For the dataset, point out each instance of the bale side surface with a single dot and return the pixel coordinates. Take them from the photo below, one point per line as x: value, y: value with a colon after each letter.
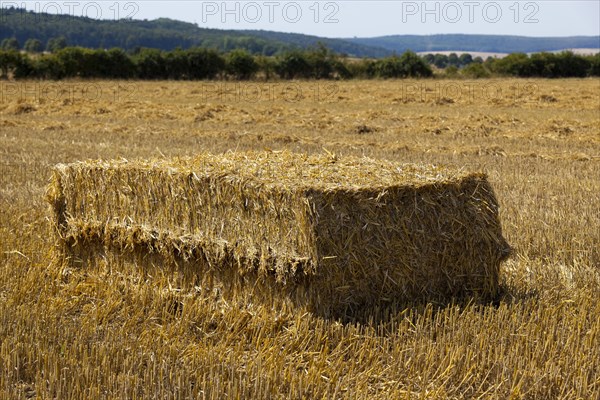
x: 173, y: 211
x: 431, y: 242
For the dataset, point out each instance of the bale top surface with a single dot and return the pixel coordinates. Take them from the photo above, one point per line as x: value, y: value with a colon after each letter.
x: 298, y: 171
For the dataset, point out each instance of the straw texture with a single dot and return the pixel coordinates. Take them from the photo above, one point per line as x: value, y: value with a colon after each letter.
x: 333, y: 232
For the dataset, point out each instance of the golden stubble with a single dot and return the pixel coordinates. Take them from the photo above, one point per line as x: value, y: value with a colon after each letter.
x: 138, y: 331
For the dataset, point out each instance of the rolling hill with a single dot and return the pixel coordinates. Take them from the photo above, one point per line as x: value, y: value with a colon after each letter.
x: 168, y: 34
x: 479, y: 43
x: 162, y: 33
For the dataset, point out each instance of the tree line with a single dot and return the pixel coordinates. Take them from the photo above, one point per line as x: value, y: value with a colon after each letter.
x: 200, y: 63
x: 317, y: 62
x: 565, y: 64
x: 545, y: 65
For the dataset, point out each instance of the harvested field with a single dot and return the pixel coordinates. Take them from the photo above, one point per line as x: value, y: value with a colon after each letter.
x: 130, y: 329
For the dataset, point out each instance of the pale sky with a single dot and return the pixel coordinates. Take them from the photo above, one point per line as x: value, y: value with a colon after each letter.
x: 347, y: 18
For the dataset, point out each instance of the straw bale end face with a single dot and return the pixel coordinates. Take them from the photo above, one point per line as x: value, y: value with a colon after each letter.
x: 412, y: 242
x: 326, y: 232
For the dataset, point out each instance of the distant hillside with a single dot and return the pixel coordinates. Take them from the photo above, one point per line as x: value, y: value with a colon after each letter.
x: 337, y: 45
x: 162, y: 33
x: 168, y: 34
x: 478, y: 43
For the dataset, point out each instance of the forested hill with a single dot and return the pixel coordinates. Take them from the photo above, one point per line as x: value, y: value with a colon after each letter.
x: 337, y: 45
x: 162, y: 33
x: 168, y: 34
x: 479, y: 43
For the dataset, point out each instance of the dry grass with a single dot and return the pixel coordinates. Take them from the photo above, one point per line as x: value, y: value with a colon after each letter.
x: 143, y: 332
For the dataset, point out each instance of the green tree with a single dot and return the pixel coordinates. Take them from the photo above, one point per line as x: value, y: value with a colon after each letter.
x: 293, y: 65
x: 7, y: 62
x: 33, y: 46
x: 15, y: 64
x: 475, y: 71
x: 23, y: 67
x: 10, y: 44
x: 150, y: 64
x: 515, y: 64
x: 429, y: 58
x: 56, y: 44
x: 414, y: 66
x: 118, y: 64
x: 453, y: 59
x: 451, y: 71
x: 76, y: 62
x: 538, y: 64
x: 266, y: 65
x: 465, y: 59
x: 364, y: 68
x: 241, y: 64
x: 570, y: 64
x: 407, y: 65
x: 389, y: 67
x: 322, y: 61
x: 594, y: 69
x: 204, y: 63
x: 341, y: 70
x: 49, y: 67
x: 440, y: 60
x: 176, y: 65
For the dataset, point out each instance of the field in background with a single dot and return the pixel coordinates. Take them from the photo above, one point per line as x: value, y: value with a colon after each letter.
x: 141, y: 333
x: 484, y: 55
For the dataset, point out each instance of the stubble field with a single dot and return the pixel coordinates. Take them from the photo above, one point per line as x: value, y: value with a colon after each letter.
x: 136, y: 333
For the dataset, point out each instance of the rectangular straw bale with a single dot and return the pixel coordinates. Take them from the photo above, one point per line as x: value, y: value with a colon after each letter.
x: 338, y: 231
